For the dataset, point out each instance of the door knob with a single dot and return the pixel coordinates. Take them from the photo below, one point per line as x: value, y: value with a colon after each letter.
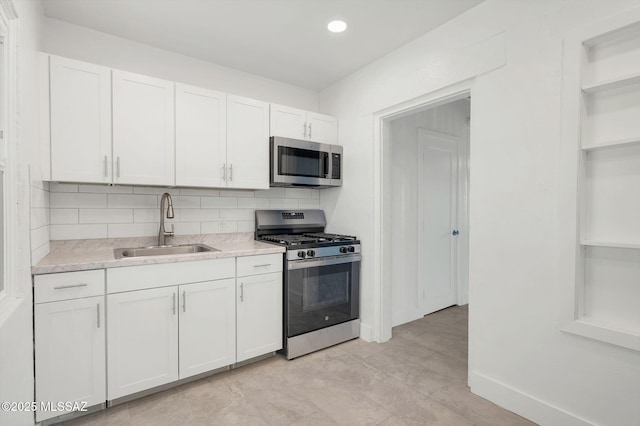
x: 455, y: 232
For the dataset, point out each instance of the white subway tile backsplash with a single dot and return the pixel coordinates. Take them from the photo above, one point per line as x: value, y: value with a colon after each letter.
x: 132, y: 201
x: 105, y: 189
x: 283, y: 203
x: 106, y: 216
x: 246, y: 226
x: 185, y: 202
x: 238, y: 194
x: 39, y: 236
x: 63, y: 187
x: 237, y: 214
x: 63, y: 216
x: 298, y: 192
x: 146, y: 215
x: 198, y: 215
x: 271, y: 193
x: 78, y: 231
x: 309, y: 204
x: 39, y: 217
x: 253, y: 203
x: 121, y: 230
x: 77, y: 200
x: 37, y: 254
x: 200, y: 192
x: 101, y: 211
x: 210, y: 227
x: 218, y: 202
x: 185, y: 228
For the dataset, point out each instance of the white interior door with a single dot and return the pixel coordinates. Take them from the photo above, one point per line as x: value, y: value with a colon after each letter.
x: 438, y: 212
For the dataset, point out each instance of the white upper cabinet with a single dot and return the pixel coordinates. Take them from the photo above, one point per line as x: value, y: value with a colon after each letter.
x: 247, y: 143
x: 201, y: 137
x: 143, y: 130
x: 299, y: 124
x: 322, y: 128
x: 80, y: 121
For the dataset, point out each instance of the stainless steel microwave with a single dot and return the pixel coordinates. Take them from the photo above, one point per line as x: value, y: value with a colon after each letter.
x: 303, y: 163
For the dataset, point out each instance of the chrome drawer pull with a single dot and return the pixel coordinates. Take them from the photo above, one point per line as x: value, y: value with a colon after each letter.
x: 62, y: 287
x: 98, y: 311
x: 184, y: 301
x: 260, y: 266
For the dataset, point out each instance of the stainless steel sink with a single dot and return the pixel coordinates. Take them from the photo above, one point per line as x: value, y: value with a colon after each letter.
x: 162, y: 250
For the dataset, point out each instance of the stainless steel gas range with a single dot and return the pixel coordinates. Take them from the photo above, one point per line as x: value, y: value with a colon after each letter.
x: 321, y: 279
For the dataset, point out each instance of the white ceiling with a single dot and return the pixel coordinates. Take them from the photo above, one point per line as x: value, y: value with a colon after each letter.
x: 284, y: 40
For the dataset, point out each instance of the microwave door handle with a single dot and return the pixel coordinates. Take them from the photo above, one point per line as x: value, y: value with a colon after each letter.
x: 326, y: 164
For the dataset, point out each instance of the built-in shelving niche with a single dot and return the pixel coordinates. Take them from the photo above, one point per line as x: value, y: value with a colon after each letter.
x: 608, y: 278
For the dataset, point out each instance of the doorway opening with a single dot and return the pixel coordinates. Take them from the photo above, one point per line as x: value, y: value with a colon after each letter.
x: 425, y: 189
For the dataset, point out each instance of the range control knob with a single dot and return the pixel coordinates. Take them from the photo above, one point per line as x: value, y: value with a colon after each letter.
x: 352, y: 249
x: 301, y: 254
x: 343, y: 249
x: 311, y: 253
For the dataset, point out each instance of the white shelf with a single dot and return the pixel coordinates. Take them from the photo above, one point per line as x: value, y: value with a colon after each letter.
x: 613, y: 83
x: 612, y: 143
x: 584, y: 327
x: 609, y: 244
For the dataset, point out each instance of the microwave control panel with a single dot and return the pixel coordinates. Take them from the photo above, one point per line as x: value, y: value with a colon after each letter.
x: 335, y: 166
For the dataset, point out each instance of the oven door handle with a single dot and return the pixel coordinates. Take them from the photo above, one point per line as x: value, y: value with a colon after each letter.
x: 293, y: 265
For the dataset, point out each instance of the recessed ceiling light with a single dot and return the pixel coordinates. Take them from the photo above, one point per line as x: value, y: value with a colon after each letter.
x: 337, y: 26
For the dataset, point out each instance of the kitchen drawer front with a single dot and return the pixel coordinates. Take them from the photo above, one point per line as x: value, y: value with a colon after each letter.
x: 261, y: 264
x: 68, y: 285
x: 164, y: 274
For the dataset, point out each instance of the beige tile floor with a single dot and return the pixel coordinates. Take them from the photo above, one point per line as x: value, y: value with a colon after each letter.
x: 416, y: 378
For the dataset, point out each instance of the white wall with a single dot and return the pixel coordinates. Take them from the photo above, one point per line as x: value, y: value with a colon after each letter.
x: 64, y: 39
x: 100, y: 211
x: 518, y: 357
x: 449, y: 119
x: 16, y: 335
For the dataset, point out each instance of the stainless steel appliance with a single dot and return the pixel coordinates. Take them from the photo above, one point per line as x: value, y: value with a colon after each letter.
x: 321, y: 279
x: 303, y: 163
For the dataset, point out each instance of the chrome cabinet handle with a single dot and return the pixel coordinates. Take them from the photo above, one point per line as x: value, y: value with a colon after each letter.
x: 309, y: 130
x: 305, y: 130
x: 98, y: 313
x: 106, y: 173
x: 230, y: 172
x: 241, y: 292
x: 118, y: 167
x: 260, y: 266
x: 62, y: 287
x: 224, y: 171
x: 184, y: 301
x: 173, y: 303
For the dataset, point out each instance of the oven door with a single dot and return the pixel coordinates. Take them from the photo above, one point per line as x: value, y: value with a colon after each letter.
x: 321, y: 293
x: 296, y: 162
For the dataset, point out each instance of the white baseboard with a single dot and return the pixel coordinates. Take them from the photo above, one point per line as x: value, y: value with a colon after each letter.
x: 522, y: 404
x: 366, y: 332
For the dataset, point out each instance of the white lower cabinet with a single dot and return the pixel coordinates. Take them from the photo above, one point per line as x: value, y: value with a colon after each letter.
x: 143, y: 340
x: 69, y: 353
x: 207, y: 326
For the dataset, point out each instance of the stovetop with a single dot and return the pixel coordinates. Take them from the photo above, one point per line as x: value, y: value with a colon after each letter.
x: 315, y: 239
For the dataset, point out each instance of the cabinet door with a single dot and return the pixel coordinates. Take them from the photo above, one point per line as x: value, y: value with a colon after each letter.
x: 143, y: 340
x: 70, y: 352
x: 288, y: 122
x: 201, y: 137
x: 322, y: 128
x: 207, y: 326
x: 247, y: 143
x: 143, y: 129
x: 80, y: 121
x: 259, y: 329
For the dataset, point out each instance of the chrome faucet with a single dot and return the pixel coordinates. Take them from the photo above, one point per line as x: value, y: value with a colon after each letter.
x: 162, y: 234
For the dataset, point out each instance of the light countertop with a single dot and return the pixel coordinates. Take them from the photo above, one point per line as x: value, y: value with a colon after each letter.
x: 82, y: 255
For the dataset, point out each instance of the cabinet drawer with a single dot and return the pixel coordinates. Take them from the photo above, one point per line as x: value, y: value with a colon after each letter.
x: 164, y: 274
x: 68, y: 285
x: 261, y: 264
